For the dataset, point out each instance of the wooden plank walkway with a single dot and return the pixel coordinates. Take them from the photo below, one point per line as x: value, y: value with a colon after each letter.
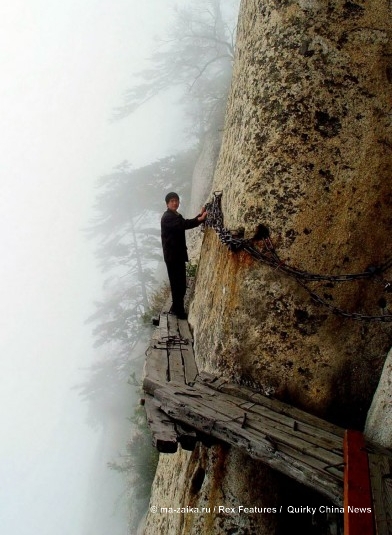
x: 184, y: 406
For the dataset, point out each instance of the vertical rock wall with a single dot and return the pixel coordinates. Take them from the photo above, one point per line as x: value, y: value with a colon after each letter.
x: 307, y: 152
x: 379, y: 418
x: 197, y: 485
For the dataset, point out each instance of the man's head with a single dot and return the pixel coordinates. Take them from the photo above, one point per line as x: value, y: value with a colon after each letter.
x: 172, y: 201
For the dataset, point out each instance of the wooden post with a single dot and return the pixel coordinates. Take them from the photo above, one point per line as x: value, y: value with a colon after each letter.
x: 358, y: 507
x: 380, y: 467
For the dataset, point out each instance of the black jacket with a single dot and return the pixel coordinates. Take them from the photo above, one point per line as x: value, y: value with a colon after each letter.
x: 173, y: 227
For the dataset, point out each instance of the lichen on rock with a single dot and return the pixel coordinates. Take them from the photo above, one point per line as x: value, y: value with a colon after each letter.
x: 306, y: 152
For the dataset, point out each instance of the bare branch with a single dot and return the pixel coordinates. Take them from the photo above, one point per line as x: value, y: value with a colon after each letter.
x: 206, y: 67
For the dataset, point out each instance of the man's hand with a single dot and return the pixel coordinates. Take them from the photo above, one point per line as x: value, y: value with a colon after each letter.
x: 203, y: 214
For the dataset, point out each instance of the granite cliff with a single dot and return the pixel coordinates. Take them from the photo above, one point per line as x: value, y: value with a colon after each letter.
x: 306, y: 152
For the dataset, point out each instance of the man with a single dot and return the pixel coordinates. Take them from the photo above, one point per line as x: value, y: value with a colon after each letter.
x: 173, y: 227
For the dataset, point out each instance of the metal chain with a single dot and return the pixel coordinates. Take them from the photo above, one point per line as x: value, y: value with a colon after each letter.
x: 269, y: 256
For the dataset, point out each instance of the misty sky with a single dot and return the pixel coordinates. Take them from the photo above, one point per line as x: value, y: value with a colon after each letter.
x: 64, y: 66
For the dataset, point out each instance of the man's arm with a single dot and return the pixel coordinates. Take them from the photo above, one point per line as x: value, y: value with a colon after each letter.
x: 173, y: 221
x: 196, y: 221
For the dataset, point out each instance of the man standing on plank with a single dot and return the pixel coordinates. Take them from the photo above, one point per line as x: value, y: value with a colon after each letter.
x: 173, y: 227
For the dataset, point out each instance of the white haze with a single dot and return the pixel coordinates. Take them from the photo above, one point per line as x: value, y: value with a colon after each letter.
x: 64, y: 66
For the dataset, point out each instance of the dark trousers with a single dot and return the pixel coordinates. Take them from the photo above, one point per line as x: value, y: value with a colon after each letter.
x: 177, y: 278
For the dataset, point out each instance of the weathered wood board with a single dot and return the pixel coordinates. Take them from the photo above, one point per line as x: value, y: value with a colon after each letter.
x: 246, y: 393
x: 328, y: 449
x: 163, y: 327
x: 170, y: 359
x: 188, y: 357
x: 156, y: 371
x: 164, y: 434
x: 184, y: 330
x: 380, y: 467
x: 188, y: 406
x: 172, y: 322
x: 193, y: 408
x: 176, y: 369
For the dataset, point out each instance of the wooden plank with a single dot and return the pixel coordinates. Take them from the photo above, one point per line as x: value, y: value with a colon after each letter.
x: 316, y: 464
x: 183, y: 344
x: 164, y: 435
x: 380, y: 468
x: 188, y: 357
x: 358, y: 516
x: 172, y: 323
x: 156, y: 336
x: 325, y: 450
x: 156, y: 364
x: 163, y: 327
x: 191, y: 410
x: 280, y: 434
x: 278, y: 406
x: 176, y: 369
x: 186, y: 436
x: 184, y: 330
x: 190, y: 368
x: 255, y: 444
x: 307, y: 446
x: 155, y: 370
x: 287, y: 424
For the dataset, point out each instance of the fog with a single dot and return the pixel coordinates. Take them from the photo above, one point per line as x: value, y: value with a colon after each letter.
x: 64, y: 67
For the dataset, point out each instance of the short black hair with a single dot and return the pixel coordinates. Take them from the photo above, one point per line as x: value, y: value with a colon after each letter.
x: 171, y: 195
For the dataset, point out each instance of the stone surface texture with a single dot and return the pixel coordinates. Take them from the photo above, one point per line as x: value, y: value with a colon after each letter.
x: 306, y: 151
x: 379, y: 418
x: 210, y: 478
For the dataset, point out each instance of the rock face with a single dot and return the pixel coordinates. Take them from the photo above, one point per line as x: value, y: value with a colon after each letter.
x: 191, y: 485
x: 378, y: 422
x: 306, y: 152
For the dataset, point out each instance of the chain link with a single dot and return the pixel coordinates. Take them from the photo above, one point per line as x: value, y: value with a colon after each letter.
x: 269, y: 256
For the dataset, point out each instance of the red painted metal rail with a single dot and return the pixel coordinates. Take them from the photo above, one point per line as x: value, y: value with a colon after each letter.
x: 358, y: 504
